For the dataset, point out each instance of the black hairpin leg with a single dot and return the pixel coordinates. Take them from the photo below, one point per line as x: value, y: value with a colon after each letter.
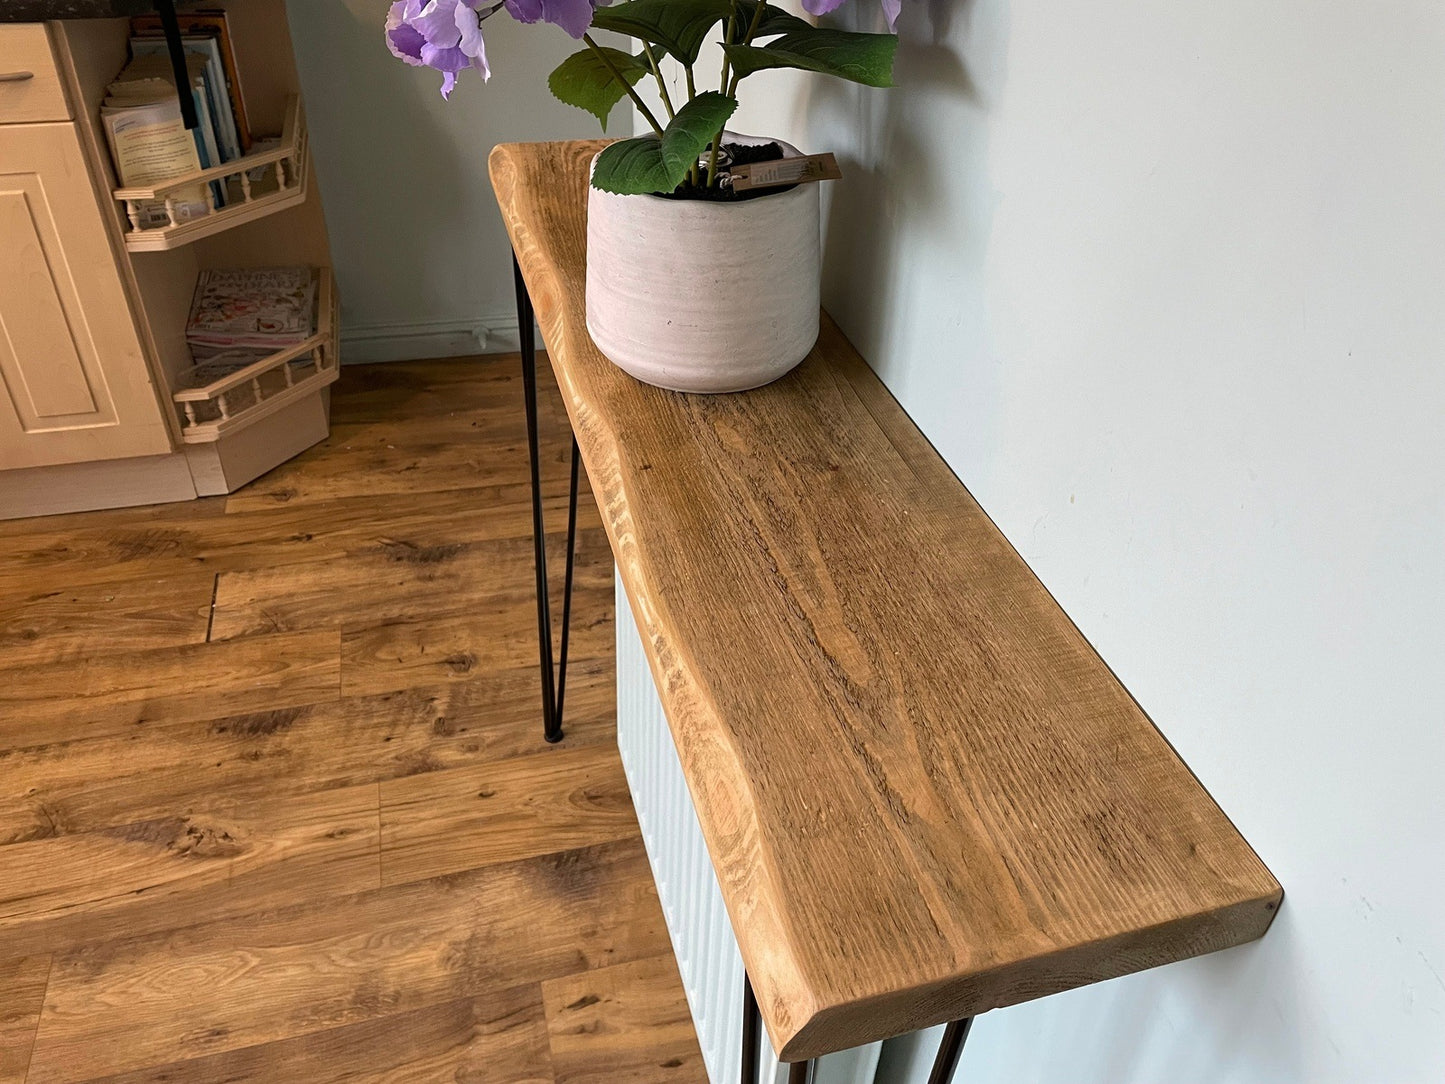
x: 949, y: 1051
x: 567, y: 582
x: 552, y: 693
x: 752, y: 1024
x: 801, y: 1072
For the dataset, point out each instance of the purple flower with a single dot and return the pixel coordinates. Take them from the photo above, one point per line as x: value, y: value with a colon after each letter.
x: 573, y: 16
x: 822, y: 7
x: 441, y: 34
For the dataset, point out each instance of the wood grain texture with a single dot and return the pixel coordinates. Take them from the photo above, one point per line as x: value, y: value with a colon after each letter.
x: 65, y: 787
x: 59, y: 625
x: 22, y: 992
x: 100, y: 547
x: 618, y: 1023
x: 924, y: 793
x: 191, y: 829
x: 455, y: 647
x: 111, y: 694
x: 497, y: 1039
x: 442, y: 822
x: 274, y: 975
x: 402, y: 580
x: 215, y: 857
x: 383, y: 467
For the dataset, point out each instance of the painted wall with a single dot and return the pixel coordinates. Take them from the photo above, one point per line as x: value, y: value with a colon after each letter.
x: 1163, y: 283
x: 422, y: 260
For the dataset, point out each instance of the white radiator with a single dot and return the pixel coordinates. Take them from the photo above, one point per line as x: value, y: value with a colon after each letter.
x: 702, y: 937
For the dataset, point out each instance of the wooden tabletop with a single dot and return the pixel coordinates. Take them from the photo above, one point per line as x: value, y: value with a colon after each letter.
x: 924, y: 794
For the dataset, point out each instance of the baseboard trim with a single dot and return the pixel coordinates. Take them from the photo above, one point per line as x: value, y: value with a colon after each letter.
x: 412, y: 340
x: 86, y: 487
x: 502, y: 336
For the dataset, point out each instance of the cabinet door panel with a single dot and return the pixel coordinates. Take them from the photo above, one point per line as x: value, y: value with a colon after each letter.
x: 74, y: 385
x: 36, y: 331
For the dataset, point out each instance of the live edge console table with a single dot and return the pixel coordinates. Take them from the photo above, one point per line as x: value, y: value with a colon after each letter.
x: 923, y: 794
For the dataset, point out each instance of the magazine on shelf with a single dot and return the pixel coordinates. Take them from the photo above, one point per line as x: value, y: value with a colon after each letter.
x: 251, y: 309
x: 209, y: 24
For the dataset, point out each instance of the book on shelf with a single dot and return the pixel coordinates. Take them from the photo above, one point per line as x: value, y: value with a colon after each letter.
x: 150, y: 77
x: 205, y: 31
x: 212, y: 103
x: 259, y: 311
x: 150, y: 145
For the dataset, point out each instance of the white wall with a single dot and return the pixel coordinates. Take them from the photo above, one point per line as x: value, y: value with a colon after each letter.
x: 422, y: 260
x: 1163, y: 283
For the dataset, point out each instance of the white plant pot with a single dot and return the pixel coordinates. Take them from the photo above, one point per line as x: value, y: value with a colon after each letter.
x: 700, y: 295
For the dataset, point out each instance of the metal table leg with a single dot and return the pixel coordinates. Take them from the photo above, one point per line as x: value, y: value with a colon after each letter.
x: 567, y: 583
x: 950, y: 1050
x: 752, y: 1026
x: 553, y: 688
x: 801, y: 1072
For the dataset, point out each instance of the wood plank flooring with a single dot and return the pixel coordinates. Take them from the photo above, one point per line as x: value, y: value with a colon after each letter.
x: 275, y: 804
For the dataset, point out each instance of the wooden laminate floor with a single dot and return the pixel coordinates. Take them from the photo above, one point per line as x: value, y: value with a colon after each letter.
x: 275, y: 804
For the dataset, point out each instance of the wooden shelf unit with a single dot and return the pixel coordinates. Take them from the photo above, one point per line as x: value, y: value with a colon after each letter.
x: 211, y: 410
x: 280, y: 225
x: 282, y: 184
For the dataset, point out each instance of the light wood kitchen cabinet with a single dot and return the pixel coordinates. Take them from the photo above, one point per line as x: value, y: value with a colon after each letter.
x: 98, y: 401
x: 30, y: 87
x: 76, y: 386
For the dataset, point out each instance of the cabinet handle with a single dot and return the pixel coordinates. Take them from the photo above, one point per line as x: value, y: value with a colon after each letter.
x: 15, y: 77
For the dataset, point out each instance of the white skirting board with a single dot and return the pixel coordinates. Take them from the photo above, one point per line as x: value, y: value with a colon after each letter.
x: 363, y: 344
x: 702, y: 937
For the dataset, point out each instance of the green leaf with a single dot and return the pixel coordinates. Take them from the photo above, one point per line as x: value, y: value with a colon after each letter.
x: 863, y: 58
x: 632, y: 167
x: 647, y: 164
x: 679, y: 26
x: 584, y: 80
x: 775, y: 21
x: 689, y: 133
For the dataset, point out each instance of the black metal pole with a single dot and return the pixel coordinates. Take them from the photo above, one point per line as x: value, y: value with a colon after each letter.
x: 551, y: 728
x: 752, y: 1023
x: 949, y: 1051
x: 567, y: 584
x: 166, y: 9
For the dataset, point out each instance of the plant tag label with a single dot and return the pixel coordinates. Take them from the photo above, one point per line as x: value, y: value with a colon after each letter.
x: 801, y: 170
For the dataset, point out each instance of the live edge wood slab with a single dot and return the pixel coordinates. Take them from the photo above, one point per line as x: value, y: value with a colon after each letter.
x: 923, y: 792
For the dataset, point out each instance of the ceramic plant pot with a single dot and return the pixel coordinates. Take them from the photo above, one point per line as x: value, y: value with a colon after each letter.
x: 704, y: 296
